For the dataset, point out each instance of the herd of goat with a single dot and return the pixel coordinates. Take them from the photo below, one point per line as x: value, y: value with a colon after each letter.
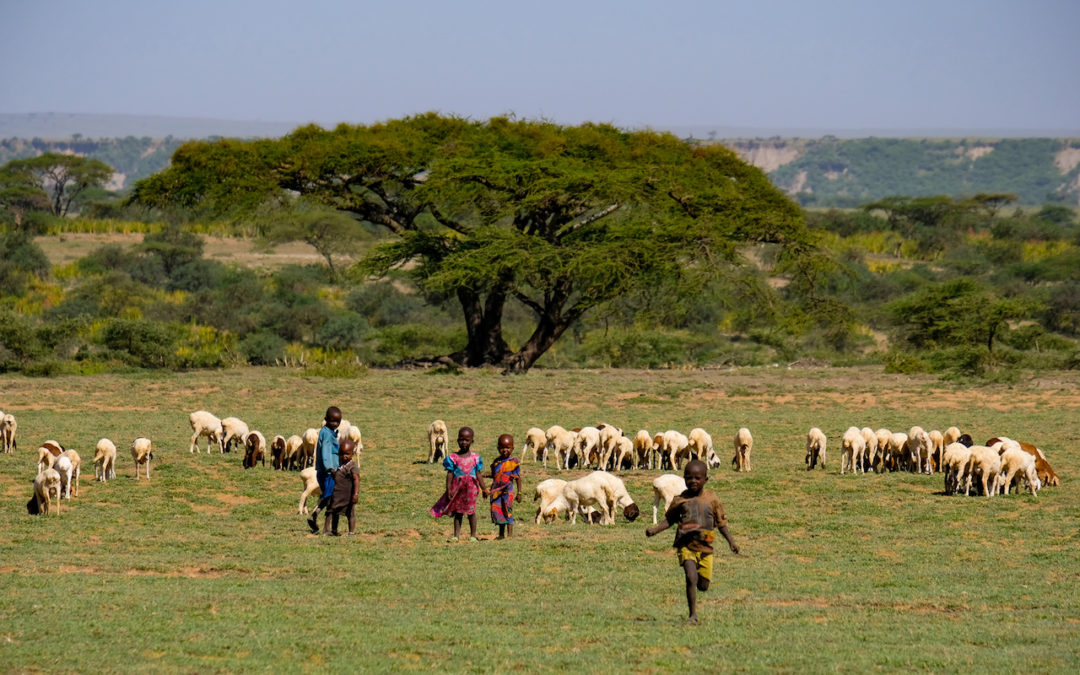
x: 989, y: 469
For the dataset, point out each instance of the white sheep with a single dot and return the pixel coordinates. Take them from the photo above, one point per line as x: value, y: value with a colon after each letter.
x: 609, y: 441
x: 816, y: 444
x: 354, y: 435
x: 307, y: 450
x: 8, y: 426
x: 951, y: 435
x: 76, y: 471
x: 560, y: 442
x: 883, y: 436
x: 205, y: 424
x: 644, y: 449
x: 602, y: 490
x: 919, y: 450
x: 1016, y: 463
x: 550, y: 495
x: 870, y: 454
x: 675, y: 447
x: 666, y: 487
x: 278, y: 458
x: 699, y: 444
x: 47, y: 454
x: 254, y: 449
x: 311, y: 486
x: 438, y: 436
x: 62, y: 465
x: 852, y: 448
x: 937, y: 445
x: 624, y: 450
x: 294, y: 452
x: 744, y: 443
x: 104, y: 460
x: 985, y: 463
x: 954, y: 462
x: 587, y: 447
x: 46, y: 483
x: 142, y: 453
x: 896, y: 457
x: 234, y: 430
x: 535, y: 445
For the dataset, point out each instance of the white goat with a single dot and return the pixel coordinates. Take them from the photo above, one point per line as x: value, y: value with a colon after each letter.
x: 235, y: 429
x: 535, y: 445
x: 142, y: 453
x: 852, y: 447
x: 104, y: 460
x: 311, y: 485
x: 602, y: 490
x: 744, y: 442
x: 665, y: 488
x: 816, y: 443
x: 205, y: 424
x: 437, y: 436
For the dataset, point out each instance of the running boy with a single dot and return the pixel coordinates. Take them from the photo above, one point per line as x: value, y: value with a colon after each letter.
x: 697, y: 512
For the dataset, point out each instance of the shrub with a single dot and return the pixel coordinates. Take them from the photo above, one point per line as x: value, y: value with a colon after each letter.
x: 262, y: 348
x: 142, y: 343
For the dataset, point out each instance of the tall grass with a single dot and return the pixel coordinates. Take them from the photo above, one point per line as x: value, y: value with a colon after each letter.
x: 208, y: 567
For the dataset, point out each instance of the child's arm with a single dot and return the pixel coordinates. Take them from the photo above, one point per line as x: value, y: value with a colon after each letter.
x: 730, y: 541
x: 355, y: 485
x: 517, y: 497
x: 480, y: 482
x: 658, y: 528
x: 449, y: 475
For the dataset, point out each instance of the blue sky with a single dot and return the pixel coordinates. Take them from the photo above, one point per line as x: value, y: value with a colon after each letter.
x: 845, y: 64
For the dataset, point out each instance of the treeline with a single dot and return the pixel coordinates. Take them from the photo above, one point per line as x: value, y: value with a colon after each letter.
x: 844, y: 173
x: 983, y: 292
x: 132, y: 157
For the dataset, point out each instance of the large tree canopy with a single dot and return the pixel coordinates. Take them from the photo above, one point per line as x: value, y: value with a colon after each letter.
x: 50, y: 181
x: 561, y: 219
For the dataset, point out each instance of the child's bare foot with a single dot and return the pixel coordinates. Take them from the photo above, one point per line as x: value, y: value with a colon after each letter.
x: 692, y: 620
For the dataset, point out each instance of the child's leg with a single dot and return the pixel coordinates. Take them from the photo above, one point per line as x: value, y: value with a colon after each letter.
x: 326, y: 524
x: 472, y: 524
x: 690, y: 567
x: 509, y: 529
x: 352, y: 518
x: 457, y: 524
x: 334, y: 522
x: 502, y: 531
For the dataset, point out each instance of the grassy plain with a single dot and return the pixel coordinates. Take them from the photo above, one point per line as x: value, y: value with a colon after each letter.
x: 208, y: 567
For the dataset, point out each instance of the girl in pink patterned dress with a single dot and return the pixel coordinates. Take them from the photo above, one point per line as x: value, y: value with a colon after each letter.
x: 463, y: 482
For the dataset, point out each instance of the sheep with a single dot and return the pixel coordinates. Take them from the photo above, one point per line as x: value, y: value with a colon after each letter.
x: 816, y: 443
x: 587, y: 446
x: 1047, y: 475
x: 437, y: 435
x: 870, y: 453
x: 311, y: 485
x: 643, y: 449
x: 8, y: 426
x: 883, y: 436
x: 535, y: 445
x: 560, y: 442
x: 699, y: 444
x: 142, y: 453
x: 951, y: 435
x: 609, y: 442
x: 45, y: 484
x: 919, y: 448
x: 550, y: 495
x: 254, y: 449
x: 76, y: 470
x: 896, y: 454
x: 1016, y: 463
x: 278, y: 458
x: 294, y: 452
x: 104, y: 460
x: 744, y: 442
x: 624, y: 449
x: 852, y: 448
x: 47, y: 454
x: 937, y: 448
x: 674, y: 447
x: 64, y: 467
x: 234, y: 430
x: 986, y: 463
x: 205, y: 424
x: 354, y: 435
x: 954, y: 464
x: 603, y: 490
x: 307, y: 450
x: 665, y: 488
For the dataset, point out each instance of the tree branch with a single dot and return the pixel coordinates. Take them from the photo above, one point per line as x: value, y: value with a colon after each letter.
x: 574, y: 227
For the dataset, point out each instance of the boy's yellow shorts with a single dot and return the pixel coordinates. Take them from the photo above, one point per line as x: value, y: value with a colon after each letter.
x: 703, y: 560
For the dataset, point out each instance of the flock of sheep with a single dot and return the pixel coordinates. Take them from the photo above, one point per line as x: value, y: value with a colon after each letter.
x: 989, y: 469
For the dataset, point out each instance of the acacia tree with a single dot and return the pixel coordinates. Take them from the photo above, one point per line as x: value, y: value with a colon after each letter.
x: 560, y: 219
x: 62, y: 179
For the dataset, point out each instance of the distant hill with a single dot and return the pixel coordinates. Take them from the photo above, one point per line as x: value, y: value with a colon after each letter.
x: 816, y: 169
x: 835, y: 172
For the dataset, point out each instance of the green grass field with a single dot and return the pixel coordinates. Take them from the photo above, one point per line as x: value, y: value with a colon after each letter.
x: 208, y: 567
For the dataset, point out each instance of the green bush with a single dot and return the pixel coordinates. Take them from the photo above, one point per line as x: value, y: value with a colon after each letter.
x: 906, y: 363
x: 142, y: 343
x: 262, y: 348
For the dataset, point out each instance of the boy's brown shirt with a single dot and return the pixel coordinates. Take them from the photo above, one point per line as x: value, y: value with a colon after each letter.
x: 696, y: 518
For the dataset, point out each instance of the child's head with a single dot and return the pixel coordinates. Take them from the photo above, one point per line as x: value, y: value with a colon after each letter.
x: 346, y: 448
x: 464, y: 438
x: 333, y: 417
x: 696, y: 474
x: 506, y: 445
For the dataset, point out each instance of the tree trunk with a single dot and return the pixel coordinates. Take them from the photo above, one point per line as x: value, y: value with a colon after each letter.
x: 547, y: 331
x: 483, y: 324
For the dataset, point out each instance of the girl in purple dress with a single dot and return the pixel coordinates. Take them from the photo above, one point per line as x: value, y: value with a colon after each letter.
x: 463, y: 482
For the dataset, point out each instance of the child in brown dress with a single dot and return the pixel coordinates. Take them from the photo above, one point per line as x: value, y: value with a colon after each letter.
x: 346, y: 490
